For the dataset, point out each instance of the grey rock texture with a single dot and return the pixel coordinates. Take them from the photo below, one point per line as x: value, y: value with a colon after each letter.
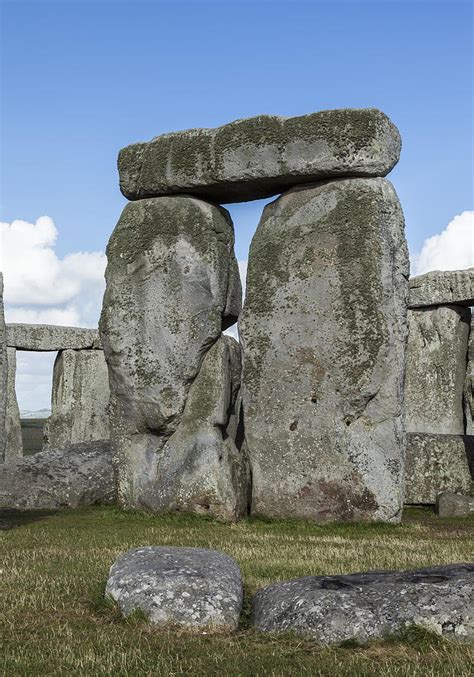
x: 75, y: 476
x: 261, y: 156
x: 172, y: 286
x: 80, y: 399
x: 48, y: 337
x: 188, y: 587
x: 371, y: 605
x: 436, y: 369
x: 469, y: 384
x: 324, y: 331
x: 436, y: 464
x: 454, y: 505
x: 447, y: 287
x: 3, y: 376
x: 14, y: 442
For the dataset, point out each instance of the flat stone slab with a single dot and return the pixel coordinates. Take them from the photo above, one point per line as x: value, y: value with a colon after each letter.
x: 48, y: 337
x: 442, y: 288
x: 454, y: 505
x: 371, y: 605
x: 75, y: 476
x: 435, y: 464
x: 189, y: 587
x: 261, y: 156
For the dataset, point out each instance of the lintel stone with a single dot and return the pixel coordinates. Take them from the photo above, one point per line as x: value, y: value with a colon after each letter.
x: 47, y: 337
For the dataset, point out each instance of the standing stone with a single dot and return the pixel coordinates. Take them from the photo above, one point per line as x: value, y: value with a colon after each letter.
x: 469, y: 384
x: 3, y: 376
x: 436, y: 369
x: 14, y: 442
x: 324, y: 332
x: 172, y: 287
x: 261, y: 156
x: 80, y: 399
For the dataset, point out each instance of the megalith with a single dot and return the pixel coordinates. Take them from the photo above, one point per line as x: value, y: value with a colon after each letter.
x: 3, y: 376
x: 469, y: 384
x: 79, y: 400
x: 323, y: 332
x: 14, y: 442
x: 172, y: 286
x: 436, y: 369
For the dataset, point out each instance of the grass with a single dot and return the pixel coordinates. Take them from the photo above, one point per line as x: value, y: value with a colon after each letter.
x: 56, y: 621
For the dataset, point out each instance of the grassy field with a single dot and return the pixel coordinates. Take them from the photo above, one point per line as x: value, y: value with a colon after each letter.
x: 55, y: 620
x: 32, y: 435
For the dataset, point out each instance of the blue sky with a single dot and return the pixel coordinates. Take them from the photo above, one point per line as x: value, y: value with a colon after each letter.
x: 81, y: 79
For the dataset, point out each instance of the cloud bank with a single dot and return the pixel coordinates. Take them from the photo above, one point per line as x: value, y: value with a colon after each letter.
x: 452, y: 249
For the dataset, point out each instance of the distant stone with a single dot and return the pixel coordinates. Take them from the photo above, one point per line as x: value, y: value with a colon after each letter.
x: 436, y: 464
x: 80, y: 399
x: 447, y: 287
x: 172, y: 286
x: 193, y: 588
x: 436, y: 369
x: 261, y: 156
x: 48, y: 337
x: 469, y: 384
x: 372, y: 605
x: 323, y: 331
x: 3, y: 376
x: 14, y: 442
x: 454, y: 505
x: 75, y: 476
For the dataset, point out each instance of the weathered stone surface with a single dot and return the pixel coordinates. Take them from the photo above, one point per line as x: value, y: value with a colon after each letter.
x: 48, y: 337
x: 14, y: 443
x: 189, y: 587
x: 454, y: 505
x: 80, y: 399
x: 261, y: 156
x: 436, y: 369
x: 74, y: 476
x: 446, y: 287
x: 436, y: 464
x: 371, y: 605
x: 469, y: 384
x: 3, y: 376
x: 172, y: 286
x: 324, y: 331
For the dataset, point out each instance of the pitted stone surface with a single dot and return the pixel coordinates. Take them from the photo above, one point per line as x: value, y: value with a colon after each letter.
x: 447, y: 287
x: 14, y: 442
x: 436, y: 369
x: 370, y: 605
x: 48, y: 337
x: 80, y: 399
x: 172, y: 286
x: 323, y: 332
x: 189, y: 587
x: 454, y: 505
x: 436, y: 464
x: 75, y: 476
x: 3, y: 375
x: 261, y: 156
x: 469, y: 384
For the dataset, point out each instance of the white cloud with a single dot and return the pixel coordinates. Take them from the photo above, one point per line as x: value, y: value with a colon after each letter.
x: 452, y: 249
x: 233, y: 331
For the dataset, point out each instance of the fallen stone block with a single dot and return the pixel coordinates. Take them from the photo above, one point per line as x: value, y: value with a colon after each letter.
x: 194, y: 588
x: 261, y: 156
x: 72, y: 477
x: 437, y: 464
x: 454, y: 505
x: 48, y: 337
x: 370, y: 605
x: 446, y: 287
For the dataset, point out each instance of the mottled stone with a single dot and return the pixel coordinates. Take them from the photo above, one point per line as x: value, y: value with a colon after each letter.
x: 436, y: 464
x: 3, y: 376
x: 261, y: 156
x: 14, y: 442
x: 172, y: 286
x: 194, y: 588
x: 454, y: 505
x: 324, y: 332
x: 80, y: 399
x: 436, y: 369
x: 469, y: 383
x: 446, y: 287
x: 48, y: 337
x: 71, y: 477
x: 370, y: 605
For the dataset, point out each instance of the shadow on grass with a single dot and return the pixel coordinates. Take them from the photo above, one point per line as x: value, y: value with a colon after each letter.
x: 10, y: 519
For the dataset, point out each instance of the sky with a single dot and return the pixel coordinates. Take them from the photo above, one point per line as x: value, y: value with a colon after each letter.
x: 81, y: 79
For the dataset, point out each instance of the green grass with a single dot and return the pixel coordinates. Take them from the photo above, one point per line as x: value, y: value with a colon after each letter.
x: 56, y: 621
